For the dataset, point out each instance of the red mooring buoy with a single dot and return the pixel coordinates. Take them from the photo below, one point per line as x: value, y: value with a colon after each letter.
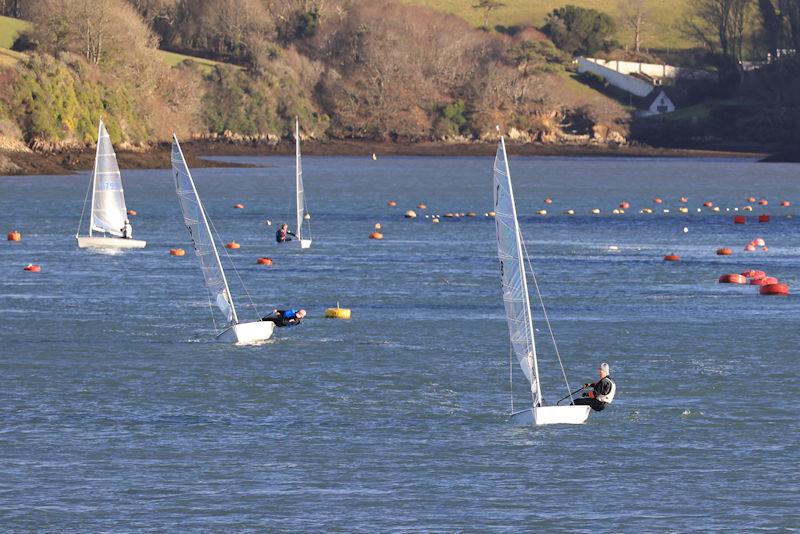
x: 774, y: 289
x: 732, y: 279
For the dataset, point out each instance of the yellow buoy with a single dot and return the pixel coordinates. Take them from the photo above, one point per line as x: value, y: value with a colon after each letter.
x: 569, y: 212
x: 435, y: 220
x: 596, y: 211
x: 338, y: 313
x: 683, y: 209
x: 411, y: 214
x: 541, y: 212
x: 748, y: 208
x: 377, y: 226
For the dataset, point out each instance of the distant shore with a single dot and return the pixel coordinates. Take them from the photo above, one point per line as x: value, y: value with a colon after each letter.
x: 158, y: 157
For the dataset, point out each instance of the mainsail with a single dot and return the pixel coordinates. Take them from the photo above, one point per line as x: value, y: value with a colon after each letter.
x: 301, y: 196
x: 108, y: 200
x: 199, y: 232
x: 512, y: 273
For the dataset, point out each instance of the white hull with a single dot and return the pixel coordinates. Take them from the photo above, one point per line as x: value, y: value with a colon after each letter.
x: 305, y: 243
x: 247, y: 333
x: 552, y: 415
x: 109, y: 242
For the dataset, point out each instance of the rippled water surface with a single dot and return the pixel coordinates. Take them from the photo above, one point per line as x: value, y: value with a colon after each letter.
x: 119, y: 412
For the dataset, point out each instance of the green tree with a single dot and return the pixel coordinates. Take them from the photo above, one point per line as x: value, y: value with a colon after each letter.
x: 487, y: 6
x: 581, y: 31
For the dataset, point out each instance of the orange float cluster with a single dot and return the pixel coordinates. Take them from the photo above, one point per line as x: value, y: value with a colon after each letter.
x: 768, y: 285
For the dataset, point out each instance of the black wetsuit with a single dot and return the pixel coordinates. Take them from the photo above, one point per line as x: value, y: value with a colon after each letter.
x: 283, y: 318
x: 603, y: 389
x: 282, y: 236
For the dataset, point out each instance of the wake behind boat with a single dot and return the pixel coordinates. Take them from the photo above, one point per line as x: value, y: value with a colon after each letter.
x: 194, y: 215
x: 517, y: 303
x: 108, y: 212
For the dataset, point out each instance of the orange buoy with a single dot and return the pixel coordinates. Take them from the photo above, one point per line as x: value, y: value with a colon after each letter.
x: 657, y: 200
x: 233, y: 245
x: 238, y: 206
x: 763, y: 218
x: 749, y: 247
x: 684, y: 200
x: 739, y: 219
x: 763, y: 202
x: 548, y: 200
x: 32, y: 268
x: 672, y: 257
x: 624, y: 205
x: 14, y: 236
x: 750, y: 199
x: 763, y: 281
x: 132, y: 213
x: 724, y: 251
x: 421, y: 206
x: 774, y: 289
x: 765, y: 248
x: 708, y: 204
x: 759, y: 242
x: 785, y: 203
x: 264, y: 261
x: 391, y: 203
x: 177, y: 252
x: 732, y: 279
x: 752, y: 273
x: 747, y: 208
x: 377, y: 235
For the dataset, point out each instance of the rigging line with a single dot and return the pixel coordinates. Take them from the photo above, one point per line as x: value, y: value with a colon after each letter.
x: 546, y: 318
x: 233, y: 266
x: 83, y: 211
x: 511, y: 375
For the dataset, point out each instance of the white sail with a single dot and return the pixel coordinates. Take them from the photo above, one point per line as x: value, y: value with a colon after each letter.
x: 512, y: 273
x: 199, y: 232
x: 108, y: 200
x: 301, y: 196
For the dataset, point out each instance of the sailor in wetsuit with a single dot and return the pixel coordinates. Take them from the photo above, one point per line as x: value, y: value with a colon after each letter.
x: 283, y: 233
x: 285, y: 317
x: 126, y: 230
x: 602, y: 393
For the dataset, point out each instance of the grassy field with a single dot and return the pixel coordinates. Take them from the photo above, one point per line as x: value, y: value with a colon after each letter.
x: 10, y: 27
x: 659, y: 33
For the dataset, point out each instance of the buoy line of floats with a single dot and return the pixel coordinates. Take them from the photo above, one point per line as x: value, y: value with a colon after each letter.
x: 768, y: 285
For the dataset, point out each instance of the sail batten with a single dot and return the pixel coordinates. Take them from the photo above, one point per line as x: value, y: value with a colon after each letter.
x: 194, y: 217
x: 512, y: 273
x: 108, y: 197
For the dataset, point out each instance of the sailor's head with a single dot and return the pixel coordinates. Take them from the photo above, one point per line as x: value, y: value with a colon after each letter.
x: 284, y: 226
x: 603, y: 370
x: 301, y: 314
x: 127, y: 221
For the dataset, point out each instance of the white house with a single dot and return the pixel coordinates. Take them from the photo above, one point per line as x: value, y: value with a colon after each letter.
x: 658, y: 102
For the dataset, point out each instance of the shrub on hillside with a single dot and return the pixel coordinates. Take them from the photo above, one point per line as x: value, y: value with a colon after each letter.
x: 580, y: 31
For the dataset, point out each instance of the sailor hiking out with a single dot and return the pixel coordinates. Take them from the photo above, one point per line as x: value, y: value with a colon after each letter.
x: 283, y: 233
x: 602, y: 392
x: 285, y: 317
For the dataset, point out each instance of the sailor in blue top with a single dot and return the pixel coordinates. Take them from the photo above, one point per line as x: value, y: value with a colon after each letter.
x: 285, y: 317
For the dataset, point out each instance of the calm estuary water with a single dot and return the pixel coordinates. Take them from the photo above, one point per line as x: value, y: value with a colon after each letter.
x: 118, y: 411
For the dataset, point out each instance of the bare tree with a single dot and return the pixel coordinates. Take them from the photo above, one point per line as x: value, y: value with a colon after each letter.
x: 635, y: 15
x: 488, y: 6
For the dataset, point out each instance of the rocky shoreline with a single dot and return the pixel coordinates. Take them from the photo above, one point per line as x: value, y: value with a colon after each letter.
x: 28, y: 162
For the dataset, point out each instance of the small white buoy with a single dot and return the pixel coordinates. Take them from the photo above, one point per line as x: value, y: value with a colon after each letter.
x: 699, y: 210
x: 307, y: 216
x: 374, y: 156
x: 686, y: 412
x: 268, y: 222
x: 665, y: 210
x: 613, y: 247
x: 685, y: 229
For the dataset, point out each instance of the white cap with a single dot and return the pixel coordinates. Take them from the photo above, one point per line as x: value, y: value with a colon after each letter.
x: 603, y: 367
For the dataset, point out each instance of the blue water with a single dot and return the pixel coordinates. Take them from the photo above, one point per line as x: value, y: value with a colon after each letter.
x: 119, y: 412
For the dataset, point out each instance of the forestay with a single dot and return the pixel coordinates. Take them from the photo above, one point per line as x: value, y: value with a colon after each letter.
x: 199, y: 232
x: 512, y: 273
x: 108, y: 200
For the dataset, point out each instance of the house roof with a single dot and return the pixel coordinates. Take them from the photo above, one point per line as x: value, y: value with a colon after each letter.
x: 648, y: 100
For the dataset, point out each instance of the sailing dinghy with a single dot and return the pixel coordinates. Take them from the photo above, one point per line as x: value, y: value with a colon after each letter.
x: 517, y: 303
x: 109, y: 214
x: 300, y: 197
x: 194, y: 215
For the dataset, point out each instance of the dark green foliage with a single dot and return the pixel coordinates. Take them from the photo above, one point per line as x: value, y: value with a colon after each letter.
x: 580, y: 31
x: 454, y: 119
x: 537, y: 56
